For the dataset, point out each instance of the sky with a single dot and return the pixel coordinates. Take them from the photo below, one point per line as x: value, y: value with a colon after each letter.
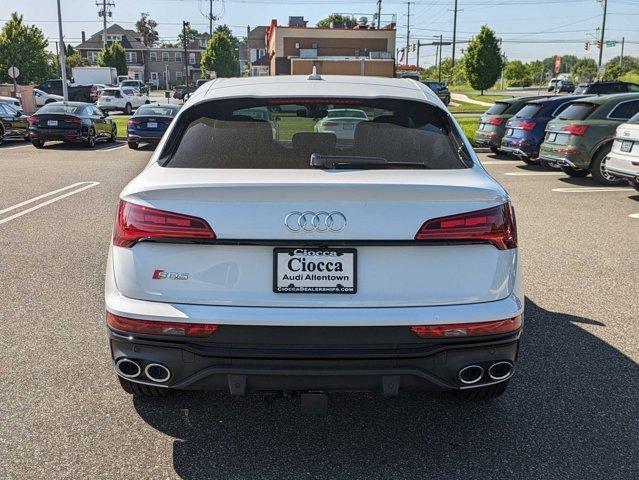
x: 530, y: 29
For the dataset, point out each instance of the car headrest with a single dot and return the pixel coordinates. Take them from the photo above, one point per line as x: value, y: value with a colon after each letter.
x: 401, y: 120
x: 308, y: 142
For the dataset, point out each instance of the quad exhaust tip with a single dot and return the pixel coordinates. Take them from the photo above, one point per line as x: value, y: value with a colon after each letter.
x: 500, y: 370
x: 471, y: 374
x: 128, y: 368
x: 157, y: 372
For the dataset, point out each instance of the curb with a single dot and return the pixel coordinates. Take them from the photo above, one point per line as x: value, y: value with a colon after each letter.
x: 482, y: 150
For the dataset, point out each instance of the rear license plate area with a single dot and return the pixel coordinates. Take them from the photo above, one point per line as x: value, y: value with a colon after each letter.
x: 510, y: 132
x: 626, y: 146
x: 152, y: 125
x: 52, y: 123
x: 315, y: 270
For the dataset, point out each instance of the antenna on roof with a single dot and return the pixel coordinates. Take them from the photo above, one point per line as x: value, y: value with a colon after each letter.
x: 314, y: 75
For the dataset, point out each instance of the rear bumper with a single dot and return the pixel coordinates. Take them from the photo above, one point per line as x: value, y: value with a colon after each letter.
x: 66, y: 135
x: 145, y: 138
x: 241, y: 369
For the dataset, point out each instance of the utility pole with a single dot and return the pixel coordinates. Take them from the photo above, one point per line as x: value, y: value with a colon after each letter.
x: 210, y: 18
x: 407, y: 34
x: 104, y: 12
x: 439, y: 73
x: 418, y: 45
x: 248, y: 49
x: 454, y: 36
x: 185, y: 26
x: 623, y: 43
x: 603, y: 31
x: 63, y: 61
x: 379, y: 13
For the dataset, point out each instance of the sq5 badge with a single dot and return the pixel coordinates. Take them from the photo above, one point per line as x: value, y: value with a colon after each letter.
x: 164, y: 275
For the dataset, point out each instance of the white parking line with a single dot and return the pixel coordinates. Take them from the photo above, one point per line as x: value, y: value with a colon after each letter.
x: 634, y: 215
x: 534, y: 174
x: 115, y: 147
x: 499, y: 162
x: 591, y: 189
x: 15, y: 147
x: 86, y: 186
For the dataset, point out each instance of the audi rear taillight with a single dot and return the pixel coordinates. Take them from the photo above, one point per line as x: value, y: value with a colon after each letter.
x: 133, y: 121
x: 496, y: 121
x: 577, y: 130
x: 70, y: 119
x: 527, y: 125
x: 153, y: 327
x: 329, y: 123
x: 33, y: 120
x: 494, y: 225
x: 136, y: 222
x: 455, y: 330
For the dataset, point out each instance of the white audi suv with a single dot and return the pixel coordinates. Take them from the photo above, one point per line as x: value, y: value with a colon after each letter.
x: 252, y: 257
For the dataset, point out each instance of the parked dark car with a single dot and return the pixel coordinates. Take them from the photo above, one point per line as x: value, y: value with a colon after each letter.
x: 76, y: 122
x: 440, y: 90
x: 525, y: 131
x: 149, y: 124
x: 180, y: 90
x: 492, y: 124
x: 138, y: 84
x: 605, y: 88
x: 77, y: 93
x: 559, y: 85
x: 13, y: 123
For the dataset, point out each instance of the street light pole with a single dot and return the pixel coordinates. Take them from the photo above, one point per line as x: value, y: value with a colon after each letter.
x: 407, y: 34
x: 186, y: 25
x: 454, y: 37
x: 63, y: 61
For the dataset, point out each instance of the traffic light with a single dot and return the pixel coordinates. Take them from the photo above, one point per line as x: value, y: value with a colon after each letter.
x: 599, y: 44
x: 586, y: 46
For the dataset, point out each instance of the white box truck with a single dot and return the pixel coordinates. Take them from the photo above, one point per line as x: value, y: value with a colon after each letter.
x: 93, y: 75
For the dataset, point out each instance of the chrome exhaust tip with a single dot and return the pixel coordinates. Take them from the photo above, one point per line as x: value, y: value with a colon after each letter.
x: 157, y: 372
x: 128, y: 368
x: 500, y: 370
x: 471, y: 374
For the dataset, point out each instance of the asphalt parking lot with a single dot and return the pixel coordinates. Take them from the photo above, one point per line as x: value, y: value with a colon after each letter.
x: 571, y: 412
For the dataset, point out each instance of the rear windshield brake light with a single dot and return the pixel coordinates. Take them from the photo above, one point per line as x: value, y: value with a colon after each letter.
x: 136, y: 222
x: 494, y: 225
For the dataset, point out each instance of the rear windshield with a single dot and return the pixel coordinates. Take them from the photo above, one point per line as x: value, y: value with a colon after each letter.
x: 529, y: 111
x: 110, y: 92
x: 62, y: 108
x: 577, y: 111
x: 157, y: 110
x: 498, y: 108
x: 286, y: 134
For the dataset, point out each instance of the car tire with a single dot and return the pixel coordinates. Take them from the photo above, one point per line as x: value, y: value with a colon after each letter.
x: 114, y: 134
x: 485, y: 393
x: 634, y: 184
x: 90, y: 141
x: 547, y: 166
x: 575, y: 172
x: 1, y: 135
x: 37, y: 143
x: 141, y: 390
x: 598, y: 169
x: 147, y: 102
x: 495, y: 150
x: 133, y: 145
x: 128, y: 109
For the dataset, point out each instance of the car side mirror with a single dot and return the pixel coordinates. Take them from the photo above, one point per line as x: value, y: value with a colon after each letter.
x: 105, y: 114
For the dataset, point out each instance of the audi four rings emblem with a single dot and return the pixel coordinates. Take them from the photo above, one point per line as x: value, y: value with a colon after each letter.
x: 315, y: 221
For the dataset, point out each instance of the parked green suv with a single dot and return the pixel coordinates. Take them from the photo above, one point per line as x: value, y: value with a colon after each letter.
x: 492, y: 124
x: 580, y: 139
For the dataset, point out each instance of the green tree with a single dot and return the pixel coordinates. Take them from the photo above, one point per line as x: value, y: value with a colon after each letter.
x: 629, y: 64
x: 348, y: 22
x: 483, y: 60
x: 456, y: 76
x: 25, y: 47
x: 113, y: 55
x: 516, y: 73
x: 567, y: 64
x: 147, y: 28
x: 73, y: 60
x: 191, y: 36
x: 536, y: 72
x: 219, y: 57
x: 225, y: 29
x: 585, y: 70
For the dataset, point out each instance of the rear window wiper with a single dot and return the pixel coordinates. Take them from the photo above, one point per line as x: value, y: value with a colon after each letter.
x: 345, y: 161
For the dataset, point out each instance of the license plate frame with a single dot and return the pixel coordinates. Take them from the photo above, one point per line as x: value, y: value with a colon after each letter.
x: 626, y: 146
x: 552, y: 136
x: 52, y: 123
x: 349, y: 288
x: 510, y: 132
